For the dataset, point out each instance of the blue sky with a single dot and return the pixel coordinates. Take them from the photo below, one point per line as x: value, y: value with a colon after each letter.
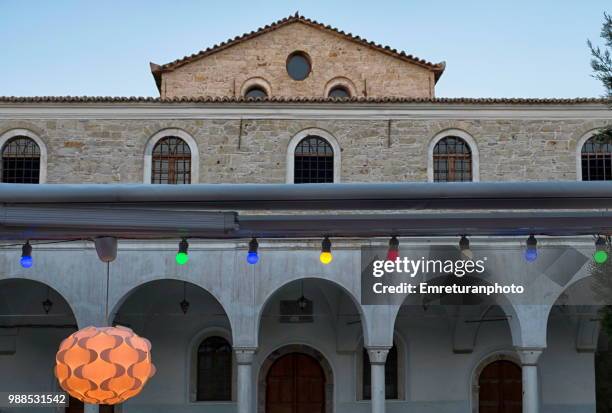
x: 492, y: 48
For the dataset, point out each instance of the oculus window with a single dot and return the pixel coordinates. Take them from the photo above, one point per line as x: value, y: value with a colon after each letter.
x: 298, y: 66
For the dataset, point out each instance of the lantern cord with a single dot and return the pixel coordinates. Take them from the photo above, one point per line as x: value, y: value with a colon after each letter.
x: 107, y: 290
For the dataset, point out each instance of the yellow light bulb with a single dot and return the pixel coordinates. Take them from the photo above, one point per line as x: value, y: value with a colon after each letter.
x: 326, y: 257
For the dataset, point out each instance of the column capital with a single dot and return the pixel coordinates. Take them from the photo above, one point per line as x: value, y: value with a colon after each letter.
x: 529, y: 355
x: 244, y: 355
x: 378, y: 355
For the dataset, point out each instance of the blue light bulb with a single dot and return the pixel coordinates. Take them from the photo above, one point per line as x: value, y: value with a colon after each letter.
x: 26, y: 261
x: 531, y: 254
x: 252, y: 257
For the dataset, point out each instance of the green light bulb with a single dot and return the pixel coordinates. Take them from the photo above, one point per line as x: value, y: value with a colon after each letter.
x: 182, y: 258
x: 600, y: 256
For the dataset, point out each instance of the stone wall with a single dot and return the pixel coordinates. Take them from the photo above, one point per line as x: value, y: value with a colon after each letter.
x: 112, y: 151
x: 332, y: 56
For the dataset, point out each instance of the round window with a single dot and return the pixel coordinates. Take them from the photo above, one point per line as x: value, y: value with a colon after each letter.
x: 255, y: 92
x: 339, y: 92
x: 298, y: 65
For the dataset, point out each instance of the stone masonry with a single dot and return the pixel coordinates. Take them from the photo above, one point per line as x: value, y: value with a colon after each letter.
x: 333, y: 57
x: 112, y: 151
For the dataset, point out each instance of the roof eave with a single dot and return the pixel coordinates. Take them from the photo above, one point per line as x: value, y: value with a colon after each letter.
x: 156, y: 71
x: 437, y: 68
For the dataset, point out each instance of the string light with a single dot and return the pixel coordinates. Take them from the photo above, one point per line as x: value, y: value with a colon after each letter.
x: 600, y: 256
x: 326, y: 256
x: 47, y: 304
x: 393, y: 252
x: 182, y: 256
x: 302, y: 302
x: 26, y: 260
x: 464, y: 247
x: 253, y: 256
x: 184, y: 304
x: 531, y: 252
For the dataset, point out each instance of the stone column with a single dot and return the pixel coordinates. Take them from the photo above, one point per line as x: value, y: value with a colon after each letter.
x: 529, y: 361
x: 244, y: 361
x: 378, y: 356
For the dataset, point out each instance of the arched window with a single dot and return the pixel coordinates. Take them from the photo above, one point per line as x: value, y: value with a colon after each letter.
x: 597, y: 158
x: 256, y: 91
x: 339, y: 92
x: 313, y: 161
x: 214, y: 377
x: 171, y: 162
x: 21, y: 161
x: 391, y: 375
x: 452, y: 160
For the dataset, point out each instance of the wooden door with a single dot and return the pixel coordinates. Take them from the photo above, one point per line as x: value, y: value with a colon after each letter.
x: 500, y: 388
x: 295, y: 384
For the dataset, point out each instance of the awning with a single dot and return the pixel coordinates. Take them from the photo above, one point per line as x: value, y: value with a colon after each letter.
x: 343, y: 210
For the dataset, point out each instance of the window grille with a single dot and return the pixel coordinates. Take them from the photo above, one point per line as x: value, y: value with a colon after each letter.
x: 214, y: 378
x: 21, y: 161
x: 171, y: 162
x: 452, y: 160
x: 314, y: 161
x: 597, y: 158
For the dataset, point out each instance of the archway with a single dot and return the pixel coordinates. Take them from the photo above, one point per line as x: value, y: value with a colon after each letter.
x: 307, y: 314
x: 577, y: 346
x: 177, y: 317
x: 295, y: 378
x: 34, y: 319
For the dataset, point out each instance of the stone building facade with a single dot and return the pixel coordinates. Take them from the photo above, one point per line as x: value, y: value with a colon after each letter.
x: 521, y: 142
x: 385, y: 130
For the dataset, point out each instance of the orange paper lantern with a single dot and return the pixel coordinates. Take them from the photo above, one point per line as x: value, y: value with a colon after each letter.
x: 105, y: 365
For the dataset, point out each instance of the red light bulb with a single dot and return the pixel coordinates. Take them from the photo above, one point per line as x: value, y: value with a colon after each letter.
x: 392, y: 254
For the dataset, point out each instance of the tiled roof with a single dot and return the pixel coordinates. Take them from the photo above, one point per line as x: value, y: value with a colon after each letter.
x: 299, y: 100
x: 437, y: 68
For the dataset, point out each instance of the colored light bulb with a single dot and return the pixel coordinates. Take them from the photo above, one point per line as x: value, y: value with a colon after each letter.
x: 600, y: 256
x: 326, y: 257
x: 26, y: 261
x: 252, y: 257
x: 531, y: 254
x: 182, y: 258
x: 393, y: 251
x: 392, y: 255
x: 26, y: 255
